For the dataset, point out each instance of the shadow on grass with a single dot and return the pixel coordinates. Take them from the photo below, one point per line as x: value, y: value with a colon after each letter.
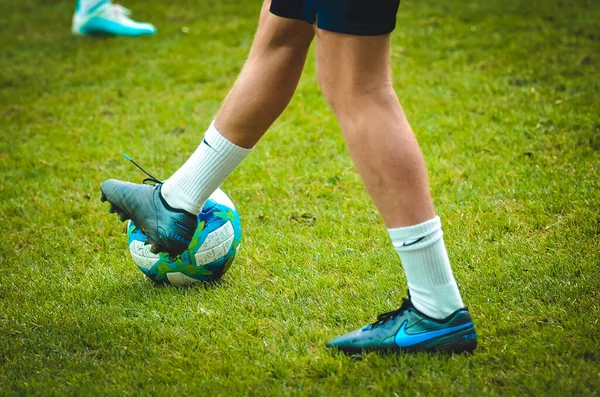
x: 141, y: 288
x: 359, y: 356
x: 200, y: 285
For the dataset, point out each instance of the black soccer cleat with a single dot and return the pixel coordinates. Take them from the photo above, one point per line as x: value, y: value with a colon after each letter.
x: 167, y: 229
x: 407, y: 329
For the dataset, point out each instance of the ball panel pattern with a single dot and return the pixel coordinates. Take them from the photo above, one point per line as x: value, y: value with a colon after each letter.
x: 209, y: 255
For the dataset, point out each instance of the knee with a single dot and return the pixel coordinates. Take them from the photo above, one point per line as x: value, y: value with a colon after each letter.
x: 326, y: 83
x: 335, y: 88
x: 348, y: 94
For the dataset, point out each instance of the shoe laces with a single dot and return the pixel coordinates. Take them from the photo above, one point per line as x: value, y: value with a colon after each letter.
x: 114, y: 11
x: 383, y: 317
x: 119, y: 10
x: 151, y: 180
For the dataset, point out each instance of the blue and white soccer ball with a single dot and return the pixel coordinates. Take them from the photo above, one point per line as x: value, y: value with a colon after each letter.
x: 209, y: 255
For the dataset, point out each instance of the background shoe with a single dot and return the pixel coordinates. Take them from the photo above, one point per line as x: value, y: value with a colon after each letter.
x: 109, y: 19
x: 409, y: 330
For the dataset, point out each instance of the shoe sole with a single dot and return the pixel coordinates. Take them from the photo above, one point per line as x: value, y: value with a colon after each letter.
x: 391, y: 350
x: 155, y: 247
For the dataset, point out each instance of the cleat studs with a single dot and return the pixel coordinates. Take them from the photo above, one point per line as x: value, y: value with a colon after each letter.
x: 150, y: 242
x: 157, y: 249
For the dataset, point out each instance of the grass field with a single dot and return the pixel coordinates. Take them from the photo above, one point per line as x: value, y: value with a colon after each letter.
x: 504, y: 99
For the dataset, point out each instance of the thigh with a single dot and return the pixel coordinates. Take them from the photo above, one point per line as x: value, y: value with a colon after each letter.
x: 352, y: 64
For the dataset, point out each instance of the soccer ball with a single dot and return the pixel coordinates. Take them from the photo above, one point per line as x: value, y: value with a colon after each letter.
x: 209, y: 255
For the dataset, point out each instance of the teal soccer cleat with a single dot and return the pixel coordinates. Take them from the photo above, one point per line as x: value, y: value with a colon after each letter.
x: 409, y: 330
x: 167, y: 229
x: 109, y: 19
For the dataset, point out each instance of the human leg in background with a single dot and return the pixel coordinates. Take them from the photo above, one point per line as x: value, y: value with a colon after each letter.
x: 103, y: 17
x: 167, y: 213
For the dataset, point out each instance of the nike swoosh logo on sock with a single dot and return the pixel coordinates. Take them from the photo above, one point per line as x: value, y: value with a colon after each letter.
x: 208, y: 144
x: 406, y: 243
x: 404, y: 339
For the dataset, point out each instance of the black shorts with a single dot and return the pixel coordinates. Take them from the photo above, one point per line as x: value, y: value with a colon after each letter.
x: 358, y: 17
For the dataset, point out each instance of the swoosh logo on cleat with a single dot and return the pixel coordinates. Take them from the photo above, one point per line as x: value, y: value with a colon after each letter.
x: 404, y: 339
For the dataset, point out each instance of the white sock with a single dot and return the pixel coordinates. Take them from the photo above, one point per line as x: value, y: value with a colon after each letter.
x: 84, y: 6
x: 211, y: 163
x: 432, y: 286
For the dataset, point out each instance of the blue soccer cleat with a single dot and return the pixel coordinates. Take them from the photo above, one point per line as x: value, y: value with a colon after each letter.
x: 409, y: 330
x: 167, y: 229
x: 107, y: 18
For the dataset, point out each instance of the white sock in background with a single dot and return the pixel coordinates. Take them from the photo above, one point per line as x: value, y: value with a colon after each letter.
x: 211, y: 163
x: 84, y: 6
x: 432, y: 286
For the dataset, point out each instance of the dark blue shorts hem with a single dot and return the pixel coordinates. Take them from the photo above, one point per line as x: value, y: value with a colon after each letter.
x: 355, y: 17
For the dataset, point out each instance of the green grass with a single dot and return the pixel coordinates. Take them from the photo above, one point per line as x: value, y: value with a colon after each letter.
x: 503, y: 96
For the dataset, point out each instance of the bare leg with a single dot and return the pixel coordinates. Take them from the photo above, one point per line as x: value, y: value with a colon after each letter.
x: 262, y: 91
x: 268, y: 80
x: 167, y: 212
x: 354, y: 74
